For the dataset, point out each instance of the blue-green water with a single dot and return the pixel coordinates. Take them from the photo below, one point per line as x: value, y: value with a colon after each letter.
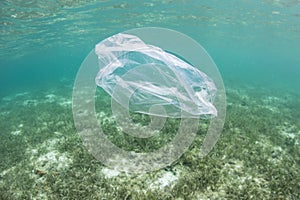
x: 255, y: 44
x: 253, y: 40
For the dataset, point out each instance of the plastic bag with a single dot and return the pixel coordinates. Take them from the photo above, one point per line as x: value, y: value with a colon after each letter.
x: 141, y: 77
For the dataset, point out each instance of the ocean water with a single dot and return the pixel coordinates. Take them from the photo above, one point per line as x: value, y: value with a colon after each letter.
x: 256, y: 46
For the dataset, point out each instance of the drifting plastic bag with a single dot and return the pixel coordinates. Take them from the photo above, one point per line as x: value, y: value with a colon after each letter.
x: 141, y: 77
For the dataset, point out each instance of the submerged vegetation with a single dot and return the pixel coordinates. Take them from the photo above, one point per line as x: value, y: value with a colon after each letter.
x: 257, y: 156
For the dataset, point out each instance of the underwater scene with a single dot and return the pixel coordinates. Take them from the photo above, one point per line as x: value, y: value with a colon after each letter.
x: 254, y: 43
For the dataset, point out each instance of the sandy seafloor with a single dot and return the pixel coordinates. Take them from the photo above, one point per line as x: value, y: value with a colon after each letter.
x: 257, y: 156
x: 255, y: 45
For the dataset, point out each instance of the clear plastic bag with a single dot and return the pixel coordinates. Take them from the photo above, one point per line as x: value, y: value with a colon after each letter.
x: 141, y: 77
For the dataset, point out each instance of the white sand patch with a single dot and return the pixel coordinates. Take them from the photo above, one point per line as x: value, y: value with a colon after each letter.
x: 110, y: 173
x: 7, y: 171
x: 272, y: 109
x: 16, y: 132
x: 50, y: 144
x: 11, y: 97
x: 50, y: 98
x: 7, y: 98
x: 289, y: 131
x: 21, y: 94
x: 4, y: 113
x: 167, y: 179
x: 65, y: 102
x: 234, y: 167
x: 53, y: 161
x: 272, y: 100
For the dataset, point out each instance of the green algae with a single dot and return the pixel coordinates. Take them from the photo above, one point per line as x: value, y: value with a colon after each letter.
x: 257, y: 156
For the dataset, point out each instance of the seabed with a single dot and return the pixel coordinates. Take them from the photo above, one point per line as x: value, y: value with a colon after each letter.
x: 256, y: 157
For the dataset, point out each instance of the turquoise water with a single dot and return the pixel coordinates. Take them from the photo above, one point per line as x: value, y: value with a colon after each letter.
x: 256, y: 46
